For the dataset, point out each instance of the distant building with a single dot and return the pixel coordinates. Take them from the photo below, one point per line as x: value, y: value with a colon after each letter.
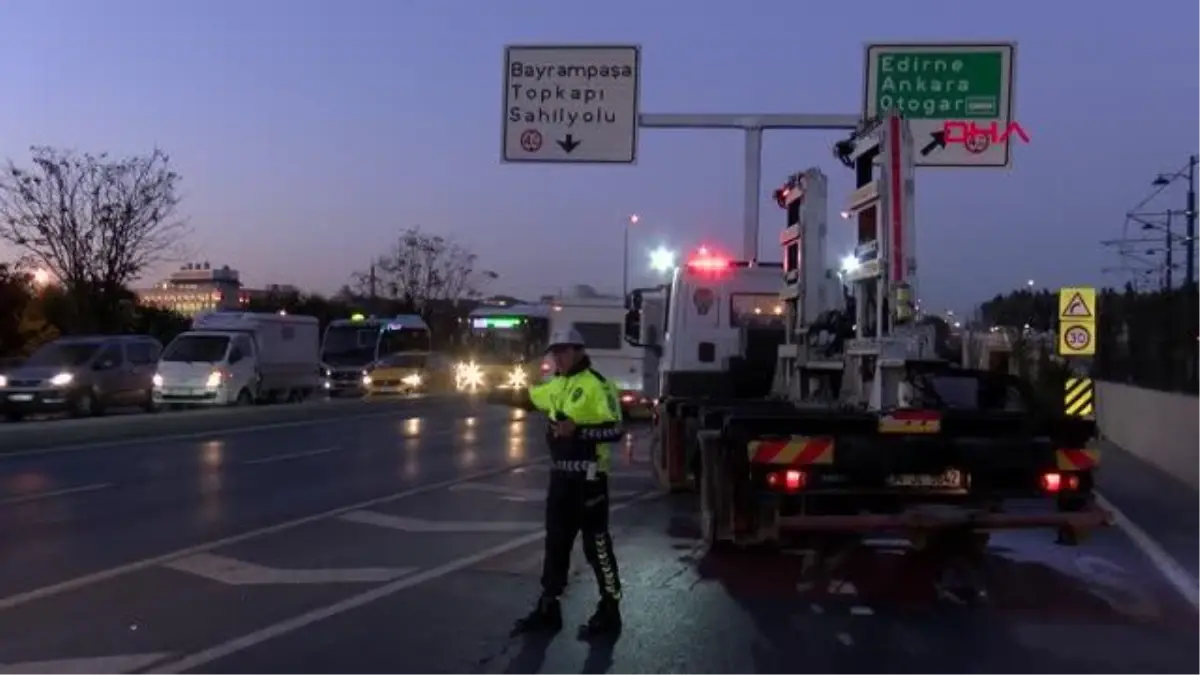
x: 197, y: 287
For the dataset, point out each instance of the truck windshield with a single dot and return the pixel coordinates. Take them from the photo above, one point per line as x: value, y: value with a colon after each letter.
x: 196, y: 349
x: 63, y: 354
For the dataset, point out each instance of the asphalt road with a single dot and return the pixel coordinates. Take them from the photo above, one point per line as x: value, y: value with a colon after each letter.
x: 408, y: 542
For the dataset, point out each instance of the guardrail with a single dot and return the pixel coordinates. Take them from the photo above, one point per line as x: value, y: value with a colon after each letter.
x: 36, y: 435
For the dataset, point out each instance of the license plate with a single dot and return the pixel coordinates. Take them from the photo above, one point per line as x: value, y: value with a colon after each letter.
x: 950, y: 479
x: 20, y: 397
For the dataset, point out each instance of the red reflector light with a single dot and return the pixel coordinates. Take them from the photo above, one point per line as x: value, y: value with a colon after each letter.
x: 791, y: 480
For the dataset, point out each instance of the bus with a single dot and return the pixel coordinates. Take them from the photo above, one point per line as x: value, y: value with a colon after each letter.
x: 351, y: 345
x: 502, y: 347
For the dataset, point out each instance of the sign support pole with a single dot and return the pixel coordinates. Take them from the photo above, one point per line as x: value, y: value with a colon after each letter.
x: 753, y: 127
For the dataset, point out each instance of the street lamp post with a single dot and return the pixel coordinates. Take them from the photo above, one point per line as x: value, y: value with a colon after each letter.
x: 1164, y: 180
x: 633, y: 220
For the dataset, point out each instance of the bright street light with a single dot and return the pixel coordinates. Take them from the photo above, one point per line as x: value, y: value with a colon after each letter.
x: 41, y: 277
x: 662, y: 259
x: 1029, y: 283
x: 849, y: 263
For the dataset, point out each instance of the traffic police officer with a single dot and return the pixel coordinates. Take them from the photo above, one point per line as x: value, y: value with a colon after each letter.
x: 585, y: 421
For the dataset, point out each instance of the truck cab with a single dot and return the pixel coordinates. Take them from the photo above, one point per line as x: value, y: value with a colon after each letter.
x: 716, y: 310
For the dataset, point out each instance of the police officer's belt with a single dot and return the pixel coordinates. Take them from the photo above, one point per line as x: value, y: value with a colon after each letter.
x: 572, y: 466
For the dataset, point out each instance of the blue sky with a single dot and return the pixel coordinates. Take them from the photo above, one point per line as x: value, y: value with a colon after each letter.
x: 309, y: 133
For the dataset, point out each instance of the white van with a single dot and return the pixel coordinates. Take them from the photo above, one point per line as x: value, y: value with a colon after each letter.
x: 601, y: 322
x: 240, y: 358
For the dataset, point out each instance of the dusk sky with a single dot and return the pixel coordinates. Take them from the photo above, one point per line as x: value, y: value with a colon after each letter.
x: 309, y: 133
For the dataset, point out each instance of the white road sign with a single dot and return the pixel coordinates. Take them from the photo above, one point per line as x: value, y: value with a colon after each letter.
x: 957, y: 98
x: 572, y: 104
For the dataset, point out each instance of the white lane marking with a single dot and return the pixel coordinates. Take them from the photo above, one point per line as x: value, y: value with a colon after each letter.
x: 290, y: 455
x: 845, y: 639
x: 118, y: 663
x: 104, y: 575
x: 286, y: 626
x: 1173, y: 572
x: 526, y: 494
x: 234, y: 572
x: 22, y: 499
x: 406, y: 524
x: 232, y: 431
x: 859, y: 610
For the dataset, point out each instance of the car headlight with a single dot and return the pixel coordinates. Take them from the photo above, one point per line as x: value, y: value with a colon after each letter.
x: 214, y: 379
x: 413, y: 380
x: 366, y: 380
x: 3, y: 381
x: 62, y: 379
x: 469, y: 375
x: 517, y: 378
x: 157, y: 380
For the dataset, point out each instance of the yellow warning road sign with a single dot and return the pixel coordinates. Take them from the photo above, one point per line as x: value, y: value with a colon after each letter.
x: 1079, y: 399
x: 1077, y: 303
x: 1077, y: 338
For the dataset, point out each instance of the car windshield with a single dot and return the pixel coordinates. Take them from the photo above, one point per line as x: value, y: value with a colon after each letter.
x: 197, y: 349
x: 404, y: 361
x: 63, y: 354
x: 393, y: 340
x: 349, y: 343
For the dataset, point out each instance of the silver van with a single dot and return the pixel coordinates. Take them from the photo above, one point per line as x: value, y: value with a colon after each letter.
x: 82, y: 375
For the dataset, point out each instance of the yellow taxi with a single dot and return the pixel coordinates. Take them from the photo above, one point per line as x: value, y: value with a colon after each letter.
x: 406, y: 373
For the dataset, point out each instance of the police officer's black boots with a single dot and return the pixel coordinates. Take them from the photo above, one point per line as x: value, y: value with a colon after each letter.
x: 605, y: 622
x: 546, y: 617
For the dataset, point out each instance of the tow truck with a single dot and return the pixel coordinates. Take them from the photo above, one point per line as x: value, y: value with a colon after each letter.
x: 842, y: 421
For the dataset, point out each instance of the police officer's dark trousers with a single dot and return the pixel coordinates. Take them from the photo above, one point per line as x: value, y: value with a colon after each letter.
x: 578, y: 504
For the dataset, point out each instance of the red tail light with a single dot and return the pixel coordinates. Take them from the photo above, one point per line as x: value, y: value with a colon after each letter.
x: 545, y: 367
x: 788, y: 481
x: 1054, y: 482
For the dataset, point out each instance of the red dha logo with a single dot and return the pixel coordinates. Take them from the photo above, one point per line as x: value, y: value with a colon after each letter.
x: 977, y: 138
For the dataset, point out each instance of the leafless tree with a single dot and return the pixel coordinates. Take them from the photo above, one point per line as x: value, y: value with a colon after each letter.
x: 423, y: 267
x: 93, y: 221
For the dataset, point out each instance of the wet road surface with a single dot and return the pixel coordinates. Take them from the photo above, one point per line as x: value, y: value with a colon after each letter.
x: 410, y: 543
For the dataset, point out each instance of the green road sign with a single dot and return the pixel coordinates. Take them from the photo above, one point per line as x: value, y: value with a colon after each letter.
x: 932, y: 83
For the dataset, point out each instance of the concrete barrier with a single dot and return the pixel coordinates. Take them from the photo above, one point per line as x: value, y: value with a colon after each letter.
x: 15, y: 437
x: 1159, y: 427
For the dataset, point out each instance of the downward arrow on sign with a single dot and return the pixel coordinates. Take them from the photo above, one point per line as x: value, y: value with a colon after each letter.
x: 569, y: 143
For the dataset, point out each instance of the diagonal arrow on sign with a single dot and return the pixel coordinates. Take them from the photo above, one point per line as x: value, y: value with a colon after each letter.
x: 117, y: 663
x: 238, y: 573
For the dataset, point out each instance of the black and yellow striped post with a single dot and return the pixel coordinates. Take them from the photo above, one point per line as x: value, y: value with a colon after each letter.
x: 1079, y: 398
